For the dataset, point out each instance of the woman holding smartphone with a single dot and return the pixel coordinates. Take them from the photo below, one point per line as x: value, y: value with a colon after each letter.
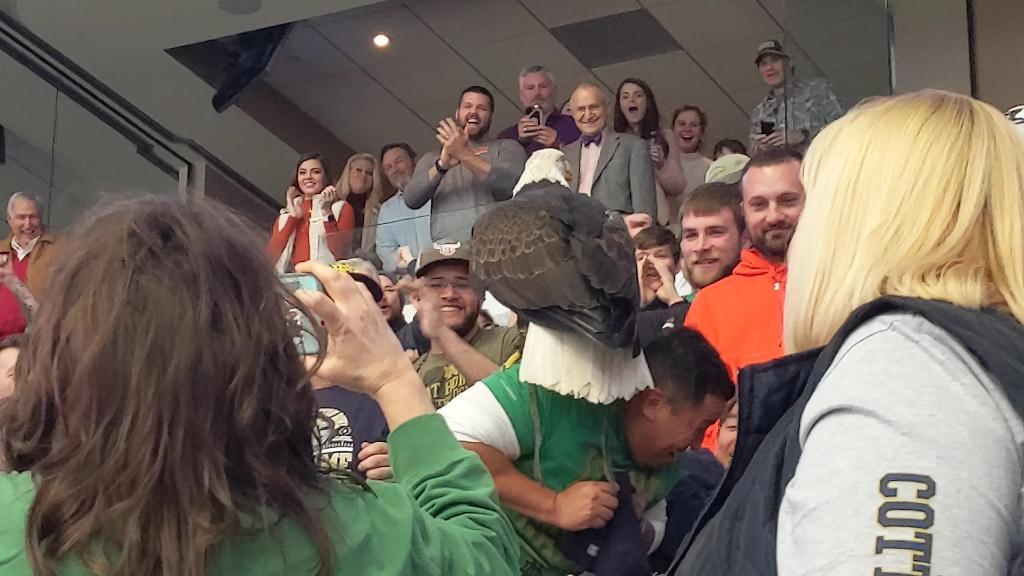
x: 637, y: 113
x: 162, y: 421
x: 315, y: 224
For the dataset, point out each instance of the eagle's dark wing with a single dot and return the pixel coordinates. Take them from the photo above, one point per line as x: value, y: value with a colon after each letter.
x: 556, y: 258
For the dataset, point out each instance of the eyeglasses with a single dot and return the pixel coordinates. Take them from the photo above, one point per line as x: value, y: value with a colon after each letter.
x: 440, y: 284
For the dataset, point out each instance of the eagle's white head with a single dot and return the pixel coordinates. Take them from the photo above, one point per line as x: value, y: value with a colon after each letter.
x: 548, y: 165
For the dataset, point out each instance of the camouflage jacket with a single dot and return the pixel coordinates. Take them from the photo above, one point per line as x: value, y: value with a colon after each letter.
x: 806, y: 105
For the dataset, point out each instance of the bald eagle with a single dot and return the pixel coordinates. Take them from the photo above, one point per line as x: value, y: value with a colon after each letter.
x: 561, y: 261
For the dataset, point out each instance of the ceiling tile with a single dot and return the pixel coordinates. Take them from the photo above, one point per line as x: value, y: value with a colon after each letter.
x: 561, y: 12
x: 697, y: 23
x: 340, y: 98
x: 352, y: 33
x: 464, y: 24
x: 305, y: 56
x: 502, y: 61
x: 842, y: 43
x: 428, y: 79
x: 803, y: 13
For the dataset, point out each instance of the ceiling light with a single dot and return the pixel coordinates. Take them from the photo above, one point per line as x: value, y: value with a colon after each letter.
x: 381, y: 40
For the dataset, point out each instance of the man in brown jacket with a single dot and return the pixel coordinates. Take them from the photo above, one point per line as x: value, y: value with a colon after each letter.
x: 25, y: 258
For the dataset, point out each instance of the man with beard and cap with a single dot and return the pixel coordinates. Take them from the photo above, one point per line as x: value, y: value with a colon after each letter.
x: 469, y: 174
x: 447, y: 305
x: 741, y: 314
x: 544, y: 125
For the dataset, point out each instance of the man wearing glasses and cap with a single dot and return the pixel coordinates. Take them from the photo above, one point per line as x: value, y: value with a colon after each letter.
x: 447, y: 302
x: 795, y: 110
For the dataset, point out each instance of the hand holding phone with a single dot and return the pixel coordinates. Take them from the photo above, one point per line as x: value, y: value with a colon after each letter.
x: 300, y: 326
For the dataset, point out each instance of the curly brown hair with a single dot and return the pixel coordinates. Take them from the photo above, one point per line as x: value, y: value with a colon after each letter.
x: 161, y: 406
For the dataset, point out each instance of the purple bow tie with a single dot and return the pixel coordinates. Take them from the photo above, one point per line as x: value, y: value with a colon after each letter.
x: 595, y: 139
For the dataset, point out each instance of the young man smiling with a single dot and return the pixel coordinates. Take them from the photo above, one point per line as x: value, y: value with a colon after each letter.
x: 448, y: 303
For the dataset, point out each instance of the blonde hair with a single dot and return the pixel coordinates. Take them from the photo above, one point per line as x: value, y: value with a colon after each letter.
x: 375, y: 196
x: 920, y: 195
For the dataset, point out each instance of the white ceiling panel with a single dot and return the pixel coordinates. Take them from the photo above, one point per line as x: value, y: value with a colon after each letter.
x: 803, y: 13
x: 502, y: 61
x: 848, y: 42
x: 697, y: 23
x: 410, y: 38
x: 342, y: 98
x: 305, y: 56
x: 730, y: 64
x: 463, y: 24
x: 554, y: 13
x: 368, y: 134
x: 429, y: 79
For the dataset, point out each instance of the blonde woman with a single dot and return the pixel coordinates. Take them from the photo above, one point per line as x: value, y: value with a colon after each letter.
x: 902, y: 452
x: 360, y: 186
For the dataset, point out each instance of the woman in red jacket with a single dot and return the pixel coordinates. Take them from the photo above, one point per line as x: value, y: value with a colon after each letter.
x: 315, y: 224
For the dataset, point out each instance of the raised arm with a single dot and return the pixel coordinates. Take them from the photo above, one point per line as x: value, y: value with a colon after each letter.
x: 424, y: 182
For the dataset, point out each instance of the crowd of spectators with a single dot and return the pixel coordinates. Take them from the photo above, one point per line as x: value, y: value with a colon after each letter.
x: 156, y: 418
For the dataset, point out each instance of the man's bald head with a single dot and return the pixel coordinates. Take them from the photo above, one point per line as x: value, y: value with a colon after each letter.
x: 589, y: 108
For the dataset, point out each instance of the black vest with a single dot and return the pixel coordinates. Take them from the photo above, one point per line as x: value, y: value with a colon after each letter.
x: 735, y: 534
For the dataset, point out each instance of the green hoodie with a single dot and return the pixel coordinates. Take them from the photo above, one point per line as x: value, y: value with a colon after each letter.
x: 441, y: 516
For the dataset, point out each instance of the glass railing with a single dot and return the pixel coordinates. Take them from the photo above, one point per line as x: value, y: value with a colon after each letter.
x: 73, y: 142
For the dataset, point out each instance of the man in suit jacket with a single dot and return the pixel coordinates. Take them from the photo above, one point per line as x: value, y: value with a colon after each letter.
x: 613, y: 168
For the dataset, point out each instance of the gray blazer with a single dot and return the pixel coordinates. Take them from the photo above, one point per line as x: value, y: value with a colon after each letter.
x: 624, y: 177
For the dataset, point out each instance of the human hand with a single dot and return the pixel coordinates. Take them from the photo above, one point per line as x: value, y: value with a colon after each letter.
x: 657, y: 155
x: 777, y: 138
x: 667, y: 291
x: 585, y: 505
x: 403, y: 257
x: 636, y: 222
x: 545, y: 136
x: 527, y: 128
x: 328, y: 196
x: 6, y: 266
x: 293, y: 200
x: 361, y: 352
x: 374, y: 460
x: 458, y: 139
x: 647, y: 292
x: 428, y: 311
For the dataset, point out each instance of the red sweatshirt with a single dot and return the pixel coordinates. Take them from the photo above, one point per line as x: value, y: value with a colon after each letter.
x: 741, y: 316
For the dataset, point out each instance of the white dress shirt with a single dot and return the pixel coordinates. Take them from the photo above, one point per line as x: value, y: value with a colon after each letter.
x: 23, y: 252
x: 588, y: 165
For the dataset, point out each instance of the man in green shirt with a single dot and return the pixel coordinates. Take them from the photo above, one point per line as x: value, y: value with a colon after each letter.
x: 448, y: 303
x: 556, y: 459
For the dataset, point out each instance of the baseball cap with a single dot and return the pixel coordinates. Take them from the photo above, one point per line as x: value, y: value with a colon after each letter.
x: 770, y: 47
x: 442, y: 251
x: 728, y: 169
x: 363, y: 272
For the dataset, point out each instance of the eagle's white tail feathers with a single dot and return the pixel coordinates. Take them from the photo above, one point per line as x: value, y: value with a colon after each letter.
x: 572, y: 365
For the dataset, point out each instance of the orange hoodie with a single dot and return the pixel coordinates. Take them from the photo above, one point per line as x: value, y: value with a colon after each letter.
x: 741, y: 316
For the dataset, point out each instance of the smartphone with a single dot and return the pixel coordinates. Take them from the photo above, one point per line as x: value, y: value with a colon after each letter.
x: 537, y: 113
x: 300, y: 326
x: 767, y: 127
